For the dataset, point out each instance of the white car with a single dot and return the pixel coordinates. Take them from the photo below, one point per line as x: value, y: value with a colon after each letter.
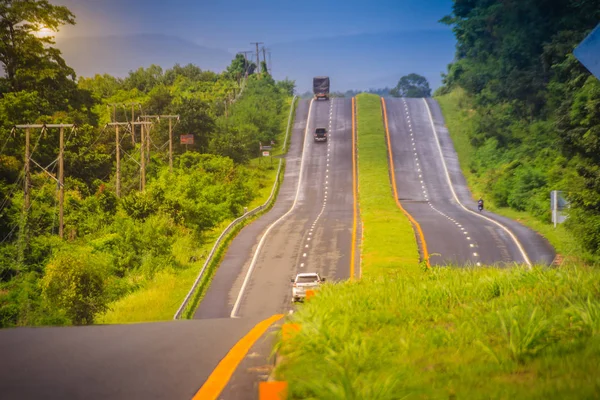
x: 304, y: 281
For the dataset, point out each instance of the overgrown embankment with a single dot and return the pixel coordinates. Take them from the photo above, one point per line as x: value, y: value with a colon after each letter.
x: 402, y: 331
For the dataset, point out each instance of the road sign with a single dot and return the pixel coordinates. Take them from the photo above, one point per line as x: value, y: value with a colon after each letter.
x: 266, y: 154
x: 557, y: 205
x: 588, y: 52
x: 265, y: 147
x: 186, y: 139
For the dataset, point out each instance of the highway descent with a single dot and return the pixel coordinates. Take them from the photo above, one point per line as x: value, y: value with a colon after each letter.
x: 432, y: 188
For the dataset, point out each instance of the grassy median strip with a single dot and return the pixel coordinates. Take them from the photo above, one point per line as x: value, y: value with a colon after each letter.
x: 388, y: 239
x: 408, y: 332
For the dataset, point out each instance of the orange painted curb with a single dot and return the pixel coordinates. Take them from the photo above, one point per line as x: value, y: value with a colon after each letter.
x: 218, y: 379
x: 275, y: 390
x: 392, y: 169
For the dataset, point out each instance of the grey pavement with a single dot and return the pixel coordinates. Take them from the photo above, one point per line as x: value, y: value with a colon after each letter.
x: 453, y: 235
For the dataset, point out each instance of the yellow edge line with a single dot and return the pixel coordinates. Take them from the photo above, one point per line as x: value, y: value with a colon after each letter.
x: 218, y: 379
x: 392, y: 168
x: 354, y: 194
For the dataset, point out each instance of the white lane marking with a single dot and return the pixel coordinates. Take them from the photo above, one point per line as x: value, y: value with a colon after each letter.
x: 475, y: 254
x: 304, y: 255
x: 302, y: 265
x: 437, y: 140
x: 236, y: 305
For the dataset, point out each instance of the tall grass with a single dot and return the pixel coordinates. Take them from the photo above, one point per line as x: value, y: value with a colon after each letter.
x: 469, y: 333
x: 388, y: 238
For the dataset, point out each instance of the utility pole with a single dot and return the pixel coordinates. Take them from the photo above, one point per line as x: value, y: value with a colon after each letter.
x: 170, y: 118
x: 265, y: 58
x: 61, y: 170
x: 61, y: 181
x: 270, y: 64
x: 246, y: 65
x: 118, y: 153
x: 27, y: 187
x: 257, y: 55
x: 142, y: 152
x: 133, y: 119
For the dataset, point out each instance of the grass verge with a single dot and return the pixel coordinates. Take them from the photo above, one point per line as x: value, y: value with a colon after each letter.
x: 407, y: 332
x: 449, y: 333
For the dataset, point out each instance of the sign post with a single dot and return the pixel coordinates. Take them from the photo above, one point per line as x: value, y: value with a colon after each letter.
x: 186, y: 139
x: 557, y: 205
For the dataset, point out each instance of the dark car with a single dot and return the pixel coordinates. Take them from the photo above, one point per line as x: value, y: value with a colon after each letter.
x: 320, y: 135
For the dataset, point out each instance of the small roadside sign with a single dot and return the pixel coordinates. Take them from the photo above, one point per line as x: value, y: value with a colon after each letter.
x: 588, y: 52
x: 186, y: 139
x: 266, y: 154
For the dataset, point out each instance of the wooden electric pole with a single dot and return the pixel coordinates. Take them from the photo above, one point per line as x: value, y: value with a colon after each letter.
x: 257, y: 55
x: 143, y: 148
x: 61, y: 170
x: 265, y: 59
x: 118, y: 153
x: 170, y: 118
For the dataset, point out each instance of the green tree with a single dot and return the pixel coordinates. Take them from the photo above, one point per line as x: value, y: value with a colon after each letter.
x: 26, y: 58
x: 239, y: 67
x: 75, y: 282
x: 412, y: 85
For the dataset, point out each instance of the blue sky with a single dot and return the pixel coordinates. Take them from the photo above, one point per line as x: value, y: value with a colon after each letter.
x: 366, y: 43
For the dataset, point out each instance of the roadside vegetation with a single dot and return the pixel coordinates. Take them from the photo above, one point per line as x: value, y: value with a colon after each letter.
x: 524, y: 114
x: 473, y: 333
x: 131, y: 258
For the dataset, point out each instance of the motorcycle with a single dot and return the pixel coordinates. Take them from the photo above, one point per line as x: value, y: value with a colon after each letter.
x: 480, y: 206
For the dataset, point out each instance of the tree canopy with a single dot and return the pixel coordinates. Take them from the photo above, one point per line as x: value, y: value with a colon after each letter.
x: 536, y: 126
x: 412, y: 85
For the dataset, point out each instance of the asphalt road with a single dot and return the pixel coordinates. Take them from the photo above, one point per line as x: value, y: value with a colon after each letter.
x: 164, y: 360
x: 454, y: 235
x: 172, y: 360
x: 315, y: 236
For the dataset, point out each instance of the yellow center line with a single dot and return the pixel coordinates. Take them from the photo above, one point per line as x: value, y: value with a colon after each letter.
x: 354, y: 194
x: 392, y: 168
x: 218, y: 379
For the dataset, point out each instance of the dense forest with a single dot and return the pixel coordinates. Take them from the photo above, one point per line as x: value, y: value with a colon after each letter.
x: 112, y: 245
x: 535, y: 107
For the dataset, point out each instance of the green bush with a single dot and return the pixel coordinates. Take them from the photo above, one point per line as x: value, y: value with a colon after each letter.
x: 75, y: 281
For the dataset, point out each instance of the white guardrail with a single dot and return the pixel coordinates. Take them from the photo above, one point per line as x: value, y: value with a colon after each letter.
x: 235, y: 222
